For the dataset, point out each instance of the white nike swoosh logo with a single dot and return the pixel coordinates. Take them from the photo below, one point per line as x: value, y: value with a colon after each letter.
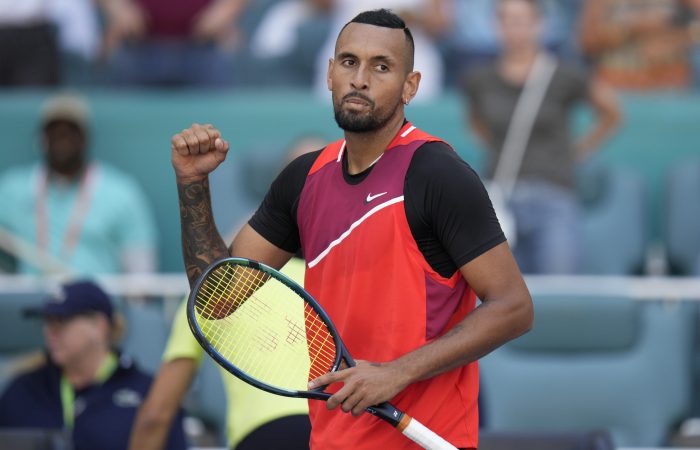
x: 371, y: 197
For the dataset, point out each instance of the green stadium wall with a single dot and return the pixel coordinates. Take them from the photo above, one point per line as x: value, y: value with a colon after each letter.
x: 132, y: 131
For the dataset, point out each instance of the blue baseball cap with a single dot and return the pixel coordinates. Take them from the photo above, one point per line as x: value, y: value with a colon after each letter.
x: 73, y: 299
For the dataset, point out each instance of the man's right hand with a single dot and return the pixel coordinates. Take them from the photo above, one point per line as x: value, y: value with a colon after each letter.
x: 197, y: 151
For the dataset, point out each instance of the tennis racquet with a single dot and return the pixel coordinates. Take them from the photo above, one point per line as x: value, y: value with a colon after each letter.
x: 268, y: 331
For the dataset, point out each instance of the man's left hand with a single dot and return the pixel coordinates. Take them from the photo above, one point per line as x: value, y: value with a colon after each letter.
x: 366, y: 384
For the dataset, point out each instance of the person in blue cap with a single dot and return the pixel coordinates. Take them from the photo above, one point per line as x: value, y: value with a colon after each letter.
x: 85, y: 386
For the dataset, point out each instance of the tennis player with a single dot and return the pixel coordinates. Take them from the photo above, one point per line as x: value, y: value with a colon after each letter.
x: 400, y: 239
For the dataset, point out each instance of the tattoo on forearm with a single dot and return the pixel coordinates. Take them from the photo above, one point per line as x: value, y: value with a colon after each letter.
x: 201, y: 242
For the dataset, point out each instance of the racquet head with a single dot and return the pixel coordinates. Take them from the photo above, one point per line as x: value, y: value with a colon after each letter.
x: 263, y: 327
x: 268, y: 331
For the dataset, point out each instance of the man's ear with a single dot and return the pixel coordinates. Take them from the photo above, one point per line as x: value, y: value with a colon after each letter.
x: 410, y: 86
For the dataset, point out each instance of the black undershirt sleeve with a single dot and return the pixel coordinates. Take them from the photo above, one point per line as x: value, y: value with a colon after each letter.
x: 275, y: 218
x: 448, y: 209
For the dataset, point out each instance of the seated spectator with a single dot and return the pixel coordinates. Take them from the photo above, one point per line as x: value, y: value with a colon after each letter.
x: 637, y: 45
x: 284, y: 45
x: 82, y: 214
x: 161, y: 42
x: 79, y: 37
x: 276, y: 34
x: 694, y: 31
x: 84, y: 386
x: 249, y: 178
x: 28, y: 44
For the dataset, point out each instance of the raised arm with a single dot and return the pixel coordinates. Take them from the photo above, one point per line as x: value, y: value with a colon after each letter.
x: 195, y: 153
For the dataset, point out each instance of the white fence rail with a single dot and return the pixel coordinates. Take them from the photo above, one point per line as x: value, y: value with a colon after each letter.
x: 175, y: 286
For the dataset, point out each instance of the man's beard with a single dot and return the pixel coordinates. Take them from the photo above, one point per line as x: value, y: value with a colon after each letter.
x: 359, y: 123
x: 66, y: 163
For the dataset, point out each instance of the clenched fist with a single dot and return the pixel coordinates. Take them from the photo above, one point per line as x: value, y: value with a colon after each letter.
x: 197, y: 151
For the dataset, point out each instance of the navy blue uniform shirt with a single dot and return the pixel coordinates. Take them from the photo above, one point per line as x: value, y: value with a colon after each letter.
x: 104, y: 413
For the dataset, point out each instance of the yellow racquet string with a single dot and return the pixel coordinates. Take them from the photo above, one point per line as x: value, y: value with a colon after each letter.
x: 263, y: 327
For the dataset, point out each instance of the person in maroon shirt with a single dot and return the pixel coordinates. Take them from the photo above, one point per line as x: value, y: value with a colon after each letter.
x: 161, y: 42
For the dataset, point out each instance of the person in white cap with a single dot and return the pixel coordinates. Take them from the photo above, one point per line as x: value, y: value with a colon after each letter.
x: 77, y: 215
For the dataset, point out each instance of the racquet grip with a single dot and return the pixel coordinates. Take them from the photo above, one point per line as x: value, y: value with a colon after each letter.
x: 422, y: 435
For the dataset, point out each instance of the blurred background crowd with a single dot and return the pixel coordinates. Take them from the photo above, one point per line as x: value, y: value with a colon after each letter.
x: 604, y: 195
x: 634, y: 45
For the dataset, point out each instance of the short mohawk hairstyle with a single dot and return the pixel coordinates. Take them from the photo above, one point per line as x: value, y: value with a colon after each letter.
x: 387, y: 19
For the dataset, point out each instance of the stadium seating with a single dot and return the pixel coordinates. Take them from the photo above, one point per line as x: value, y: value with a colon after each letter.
x: 35, y: 439
x: 545, y: 441
x: 20, y: 335
x: 593, y: 363
x: 247, y: 181
x: 682, y: 231
x: 614, y: 226
x: 146, y: 334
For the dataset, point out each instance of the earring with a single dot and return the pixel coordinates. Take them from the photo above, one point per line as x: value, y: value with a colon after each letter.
x: 405, y: 102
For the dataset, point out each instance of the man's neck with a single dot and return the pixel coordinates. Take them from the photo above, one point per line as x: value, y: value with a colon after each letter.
x: 82, y: 373
x: 365, y: 148
x: 515, y: 66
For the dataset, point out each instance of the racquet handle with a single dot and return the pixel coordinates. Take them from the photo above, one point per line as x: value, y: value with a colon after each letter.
x: 421, y: 435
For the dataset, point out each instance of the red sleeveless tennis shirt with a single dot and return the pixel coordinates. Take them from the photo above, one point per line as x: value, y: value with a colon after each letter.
x: 365, y: 268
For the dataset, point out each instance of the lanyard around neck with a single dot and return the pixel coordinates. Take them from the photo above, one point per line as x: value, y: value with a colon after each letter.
x: 105, y: 371
x: 76, y: 219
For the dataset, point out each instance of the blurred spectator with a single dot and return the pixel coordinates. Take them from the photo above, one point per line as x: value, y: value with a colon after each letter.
x: 637, y: 45
x: 694, y: 31
x: 87, y: 215
x: 161, y: 42
x: 250, y: 177
x: 427, y: 20
x: 570, y: 13
x: 276, y: 35
x: 28, y: 44
x: 543, y: 202
x: 473, y: 38
x: 286, y: 42
x: 77, y: 25
x: 84, y: 385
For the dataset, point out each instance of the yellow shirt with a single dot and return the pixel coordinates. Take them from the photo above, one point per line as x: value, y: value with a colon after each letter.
x: 248, y: 407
